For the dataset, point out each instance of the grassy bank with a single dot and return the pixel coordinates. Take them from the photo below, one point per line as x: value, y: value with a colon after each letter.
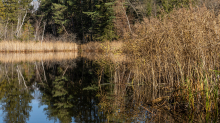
x: 32, y: 46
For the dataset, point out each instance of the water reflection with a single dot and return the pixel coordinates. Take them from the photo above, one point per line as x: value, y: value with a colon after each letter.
x: 83, y: 90
x: 68, y: 90
x: 65, y: 95
x: 15, y: 102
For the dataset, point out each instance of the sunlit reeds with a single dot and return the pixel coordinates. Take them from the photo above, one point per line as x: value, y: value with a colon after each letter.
x: 32, y: 46
x: 31, y: 57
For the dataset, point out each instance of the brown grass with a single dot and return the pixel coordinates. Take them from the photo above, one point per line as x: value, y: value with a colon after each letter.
x: 113, y: 46
x: 18, y: 57
x: 180, y: 49
x: 115, y: 58
x: 178, y: 42
x: 16, y: 46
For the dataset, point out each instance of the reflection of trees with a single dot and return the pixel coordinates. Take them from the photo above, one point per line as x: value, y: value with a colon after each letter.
x: 71, y: 92
x: 15, y: 102
x: 15, y: 96
x: 80, y: 89
x: 57, y: 99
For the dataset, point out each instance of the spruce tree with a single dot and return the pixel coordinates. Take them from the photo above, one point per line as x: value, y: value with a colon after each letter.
x: 58, y: 15
x: 102, y: 21
x: 92, y: 18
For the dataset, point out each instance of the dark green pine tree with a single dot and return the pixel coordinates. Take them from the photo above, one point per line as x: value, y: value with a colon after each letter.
x: 59, y: 14
x: 45, y: 10
x: 93, y: 18
x: 102, y: 21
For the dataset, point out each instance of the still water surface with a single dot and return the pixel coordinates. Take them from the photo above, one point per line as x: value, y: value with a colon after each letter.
x: 50, y: 91
x: 81, y: 89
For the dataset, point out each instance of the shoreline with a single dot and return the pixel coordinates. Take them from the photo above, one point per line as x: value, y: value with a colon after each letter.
x: 102, y: 47
x: 46, y: 47
x: 33, y: 46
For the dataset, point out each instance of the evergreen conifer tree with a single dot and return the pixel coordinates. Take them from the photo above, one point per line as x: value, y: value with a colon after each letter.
x: 102, y: 21
x: 85, y: 17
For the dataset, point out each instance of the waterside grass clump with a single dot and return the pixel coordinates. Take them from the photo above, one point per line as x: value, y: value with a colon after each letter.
x: 181, y: 50
x: 111, y: 57
x: 32, y: 46
x: 99, y: 47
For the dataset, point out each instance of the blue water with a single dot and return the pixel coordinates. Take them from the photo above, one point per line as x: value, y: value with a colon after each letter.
x: 37, y: 115
x: 64, y: 92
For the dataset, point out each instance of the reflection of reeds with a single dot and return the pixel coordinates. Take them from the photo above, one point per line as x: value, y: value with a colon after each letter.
x: 16, y: 46
x: 17, y: 57
x: 130, y: 100
x: 148, y: 102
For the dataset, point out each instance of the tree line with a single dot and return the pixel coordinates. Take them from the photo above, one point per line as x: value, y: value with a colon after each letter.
x: 84, y: 20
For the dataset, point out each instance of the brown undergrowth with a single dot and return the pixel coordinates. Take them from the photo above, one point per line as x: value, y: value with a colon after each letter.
x: 114, y: 46
x: 115, y: 58
x: 181, y: 50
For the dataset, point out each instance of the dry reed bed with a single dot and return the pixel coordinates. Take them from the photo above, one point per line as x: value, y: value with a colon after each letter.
x: 115, y: 58
x: 32, y: 46
x: 49, y: 56
x: 181, y: 49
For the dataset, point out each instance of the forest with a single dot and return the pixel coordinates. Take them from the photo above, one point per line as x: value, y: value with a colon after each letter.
x: 82, y: 21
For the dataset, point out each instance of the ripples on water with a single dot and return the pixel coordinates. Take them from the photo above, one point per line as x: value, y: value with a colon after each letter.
x: 68, y: 87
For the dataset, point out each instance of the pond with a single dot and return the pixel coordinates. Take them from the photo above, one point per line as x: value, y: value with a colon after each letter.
x: 83, y: 88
